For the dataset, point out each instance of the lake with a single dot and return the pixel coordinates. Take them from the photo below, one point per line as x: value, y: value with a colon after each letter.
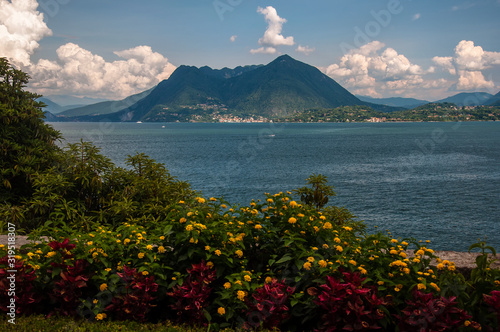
x: 432, y: 181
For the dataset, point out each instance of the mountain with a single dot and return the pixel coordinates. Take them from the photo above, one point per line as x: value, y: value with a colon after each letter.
x: 494, y: 100
x: 51, y: 107
x: 467, y: 99
x: 105, y: 107
x: 407, y: 103
x: 282, y: 87
x: 72, y: 101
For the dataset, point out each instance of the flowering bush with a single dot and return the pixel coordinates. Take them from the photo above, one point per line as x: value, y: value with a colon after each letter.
x: 277, y: 262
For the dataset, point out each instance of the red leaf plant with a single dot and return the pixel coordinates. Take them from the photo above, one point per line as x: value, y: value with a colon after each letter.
x: 493, y: 300
x: 348, y: 305
x: 136, y: 298
x: 269, y: 305
x: 191, y: 297
x: 68, y: 291
x: 430, y: 313
x: 17, y: 292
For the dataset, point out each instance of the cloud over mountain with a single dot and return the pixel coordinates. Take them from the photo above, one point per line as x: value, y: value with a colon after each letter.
x: 468, y: 63
x: 272, y: 36
x: 374, y: 67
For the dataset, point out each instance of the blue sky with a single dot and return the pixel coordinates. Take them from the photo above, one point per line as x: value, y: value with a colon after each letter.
x: 110, y: 49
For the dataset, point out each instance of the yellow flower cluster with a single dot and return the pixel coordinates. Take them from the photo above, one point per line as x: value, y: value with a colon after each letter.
x: 292, y: 220
x: 241, y: 295
x: 239, y: 253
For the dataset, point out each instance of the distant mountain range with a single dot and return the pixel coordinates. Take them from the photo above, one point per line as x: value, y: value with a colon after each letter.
x: 280, y: 88
x: 395, y: 101
x: 468, y: 99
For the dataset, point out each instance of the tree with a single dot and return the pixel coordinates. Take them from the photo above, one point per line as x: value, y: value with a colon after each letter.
x: 27, y: 144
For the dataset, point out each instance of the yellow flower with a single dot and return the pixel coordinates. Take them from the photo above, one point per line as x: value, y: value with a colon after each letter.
x: 140, y: 255
x: 421, y: 286
x: 393, y: 252
x: 327, y: 225
x: 210, y: 264
x: 435, y: 286
x: 380, y: 282
x: 325, y: 246
x: 241, y: 295
x: 314, y: 248
x: 149, y: 247
x: 224, y: 206
x: 227, y: 285
x: 239, y: 253
x: 189, y: 228
x: 347, y: 228
x: 108, y: 269
x: 307, y: 266
x: 394, y: 241
x: 162, y: 238
x: 182, y: 220
x: 339, y: 248
x: 293, y: 204
x: 221, y: 311
x: 353, y: 262
x: 258, y: 227
x: 200, y: 200
x: 292, y: 220
x: 247, y: 278
x: 90, y: 243
x: 467, y: 323
x: 310, y: 259
x: 161, y: 249
x: 95, y: 301
x: 440, y: 266
x: 268, y: 280
x: 103, y: 287
x: 322, y: 263
x: 300, y: 215
x: 145, y: 273
x: 362, y: 270
x: 218, y: 252
x: 181, y: 202
x: 238, y: 282
x: 100, y: 317
x: 404, y: 243
x: 95, y: 254
x: 337, y: 240
x: 420, y: 252
x: 50, y: 254
x: 207, y: 248
x: 416, y: 260
x: 213, y: 199
x: 402, y: 254
x: 451, y: 267
x: 406, y: 270
x: 126, y: 241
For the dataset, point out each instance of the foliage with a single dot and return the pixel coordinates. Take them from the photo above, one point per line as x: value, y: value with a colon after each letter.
x: 347, y: 305
x: 27, y: 144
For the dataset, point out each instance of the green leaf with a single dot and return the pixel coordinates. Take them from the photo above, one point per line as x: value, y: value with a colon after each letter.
x: 284, y: 259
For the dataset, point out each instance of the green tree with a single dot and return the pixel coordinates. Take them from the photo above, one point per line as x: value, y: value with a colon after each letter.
x: 27, y: 144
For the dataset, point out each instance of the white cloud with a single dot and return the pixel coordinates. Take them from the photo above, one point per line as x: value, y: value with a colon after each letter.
x: 233, y: 38
x: 21, y: 27
x: 272, y: 36
x: 79, y: 71
x: 416, y: 17
x: 468, y: 63
x: 305, y: 49
x: 374, y: 68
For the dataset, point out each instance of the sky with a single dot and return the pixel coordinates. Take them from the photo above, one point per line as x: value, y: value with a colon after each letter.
x: 424, y: 49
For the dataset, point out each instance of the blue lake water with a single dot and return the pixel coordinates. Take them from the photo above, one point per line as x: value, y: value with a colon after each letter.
x: 431, y: 181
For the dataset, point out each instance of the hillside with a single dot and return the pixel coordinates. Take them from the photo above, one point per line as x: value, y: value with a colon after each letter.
x: 494, y: 100
x: 467, y: 99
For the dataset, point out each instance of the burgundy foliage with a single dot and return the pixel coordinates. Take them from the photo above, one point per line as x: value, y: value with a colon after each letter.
x: 191, y: 297
x: 348, y: 305
x: 269, y: 305
x: 430, y: 313
x: 137, y: 296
